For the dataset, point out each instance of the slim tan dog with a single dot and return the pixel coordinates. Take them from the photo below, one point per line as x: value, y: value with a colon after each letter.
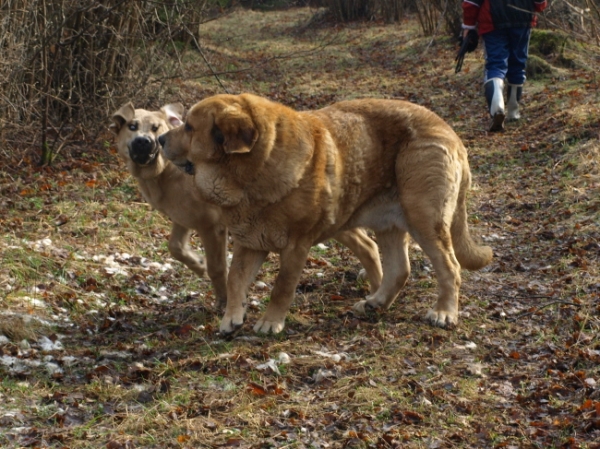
x: 288, y: 179
x: 172, y: 192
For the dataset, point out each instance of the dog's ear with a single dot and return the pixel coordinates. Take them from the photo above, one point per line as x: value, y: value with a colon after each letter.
x: 122, y: 116
x: 174, y: 113
x: 235, y: 130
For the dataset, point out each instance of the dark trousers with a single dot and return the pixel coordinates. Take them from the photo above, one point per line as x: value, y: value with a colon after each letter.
x: 506, y: 54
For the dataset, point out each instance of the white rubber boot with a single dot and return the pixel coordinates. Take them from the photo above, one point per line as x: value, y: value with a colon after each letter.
x: 495, y: 100
x: 514, y: 98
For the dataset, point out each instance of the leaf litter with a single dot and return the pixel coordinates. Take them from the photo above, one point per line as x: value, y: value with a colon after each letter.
x: 108, y: 342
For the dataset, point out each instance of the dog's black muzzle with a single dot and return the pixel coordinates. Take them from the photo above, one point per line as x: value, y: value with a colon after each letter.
x: 143, y: 150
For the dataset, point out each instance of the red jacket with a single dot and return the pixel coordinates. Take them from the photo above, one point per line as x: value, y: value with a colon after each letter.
x: 489, y: 15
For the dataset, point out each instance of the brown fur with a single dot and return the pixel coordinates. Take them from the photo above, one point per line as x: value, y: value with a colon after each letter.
x: 172, y: 192
x: 288, y: 179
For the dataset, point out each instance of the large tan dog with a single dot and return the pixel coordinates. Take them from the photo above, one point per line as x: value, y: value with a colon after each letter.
x: 288, y: 179
x: 172, y: 192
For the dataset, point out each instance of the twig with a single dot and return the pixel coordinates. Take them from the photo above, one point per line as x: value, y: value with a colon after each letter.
x: 435, y: 30
x: 500, y: 295
x: 197, y: 44
x: 521, y: 315
x: 523, y: 10
x: 260, y: 64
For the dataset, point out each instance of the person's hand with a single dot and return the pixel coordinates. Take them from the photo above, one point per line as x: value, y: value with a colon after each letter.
x: 470, y: 39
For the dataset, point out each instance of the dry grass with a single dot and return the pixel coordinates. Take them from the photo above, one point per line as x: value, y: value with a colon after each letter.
x: 143, y: 365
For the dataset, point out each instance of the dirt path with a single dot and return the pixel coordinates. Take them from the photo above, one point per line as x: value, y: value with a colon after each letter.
x: 107, y: 342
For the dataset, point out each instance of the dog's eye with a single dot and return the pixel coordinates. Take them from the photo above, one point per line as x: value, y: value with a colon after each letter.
x: 218, y: 136
x: 133, y: 126
x: 154, y: 128
x: 188, y: 127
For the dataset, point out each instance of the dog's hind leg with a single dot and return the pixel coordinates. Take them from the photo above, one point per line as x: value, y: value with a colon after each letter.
x: 428, y: 197
x: 180, y: 249
x: 244, y: 267
x: 438, y: 246
x: 396, y: 269
x: 365, y: 249
x: 214, y: 240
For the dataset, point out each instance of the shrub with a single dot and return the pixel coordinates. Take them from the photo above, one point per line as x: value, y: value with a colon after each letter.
x: 67, y: 62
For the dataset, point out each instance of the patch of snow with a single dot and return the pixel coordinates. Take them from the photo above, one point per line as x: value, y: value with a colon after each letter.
x: 116, y: 354
x: 269, y: 364
x: 334, y: 356
x: 48, y: 345
x: 260, y: 285
x: 53, y: 368
x: 323, y: 374
x: 33, y: 302
x: 467, y: 345
x: 68, y: 360
x: 18, y: 366
x: 284, y: 358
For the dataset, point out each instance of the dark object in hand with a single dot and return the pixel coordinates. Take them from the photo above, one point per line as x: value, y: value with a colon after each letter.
x: 468, y: 44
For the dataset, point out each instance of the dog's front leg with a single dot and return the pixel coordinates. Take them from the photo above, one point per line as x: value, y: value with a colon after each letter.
x: 244, y: 267
x: 180, y: 249
x: 293, y: 258
x: 214, y: 239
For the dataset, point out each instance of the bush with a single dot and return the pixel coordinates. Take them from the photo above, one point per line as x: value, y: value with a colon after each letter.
x: 439, y: 15
x: 67, y: 62
x: 431, y: 13
x: 353, y: 10
x: 579, y: 18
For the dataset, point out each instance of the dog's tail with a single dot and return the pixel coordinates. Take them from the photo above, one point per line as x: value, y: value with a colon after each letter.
x: 470, y: 255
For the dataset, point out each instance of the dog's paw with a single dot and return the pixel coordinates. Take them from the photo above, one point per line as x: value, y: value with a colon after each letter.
x: 231, y: 323
x: 442, y: 318
x: 363, y: 307
x: 359, y: 307
x: 264, y: 326
x: 197, y: 265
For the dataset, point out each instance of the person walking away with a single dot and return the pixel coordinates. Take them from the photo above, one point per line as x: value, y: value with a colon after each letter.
x: 505, y: 28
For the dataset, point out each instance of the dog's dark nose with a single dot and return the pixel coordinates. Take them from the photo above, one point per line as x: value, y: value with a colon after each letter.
x: 142, y: 149
x: 142, y: 145
x: 162, y: 139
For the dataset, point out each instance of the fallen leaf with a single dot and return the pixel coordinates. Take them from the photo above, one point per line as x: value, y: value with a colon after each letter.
x: 256, y: 389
